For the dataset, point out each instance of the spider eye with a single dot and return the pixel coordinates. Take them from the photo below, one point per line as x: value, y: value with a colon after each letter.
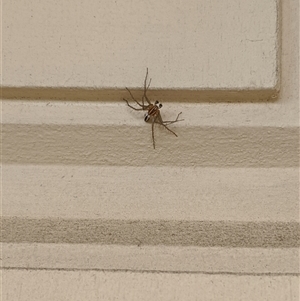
x: 160, y: 105
x: 156, y: 102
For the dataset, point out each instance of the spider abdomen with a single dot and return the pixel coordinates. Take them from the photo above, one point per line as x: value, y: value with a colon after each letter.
x: 147, y: 117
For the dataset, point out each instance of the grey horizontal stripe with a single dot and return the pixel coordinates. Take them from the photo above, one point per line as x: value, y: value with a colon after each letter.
x: 169, y: 233
x: 100, y: 145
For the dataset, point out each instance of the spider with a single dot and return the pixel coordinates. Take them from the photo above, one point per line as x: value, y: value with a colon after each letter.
x: 153, y: 110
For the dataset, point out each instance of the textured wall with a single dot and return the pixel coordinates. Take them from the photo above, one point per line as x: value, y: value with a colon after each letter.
x: 83, y: 190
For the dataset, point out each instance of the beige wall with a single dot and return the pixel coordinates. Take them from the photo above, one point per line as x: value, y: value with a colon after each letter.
x: 97, y: 285
x: 213, y: 213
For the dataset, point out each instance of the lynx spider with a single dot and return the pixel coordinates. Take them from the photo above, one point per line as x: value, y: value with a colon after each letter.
x: 153, y: 110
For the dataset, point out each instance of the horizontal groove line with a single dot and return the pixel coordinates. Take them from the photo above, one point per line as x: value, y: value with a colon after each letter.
x: 150, y: 271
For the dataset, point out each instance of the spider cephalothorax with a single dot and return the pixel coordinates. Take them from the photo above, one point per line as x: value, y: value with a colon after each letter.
x: 153, y: 110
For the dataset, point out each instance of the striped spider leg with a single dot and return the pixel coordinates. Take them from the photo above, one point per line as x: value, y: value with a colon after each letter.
x: 153, y: 110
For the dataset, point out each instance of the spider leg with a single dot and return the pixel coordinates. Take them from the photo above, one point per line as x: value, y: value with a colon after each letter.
x: 176, y: 120
x: 160, y: 121
x: 141, y: 105
x: 146, y: 87
x: 153, y: 139
x: 169, y: 129
x: 130, y: 106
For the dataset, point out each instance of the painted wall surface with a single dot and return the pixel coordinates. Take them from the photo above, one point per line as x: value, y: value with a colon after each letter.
x: 91, y: 285
x: 91, y: 211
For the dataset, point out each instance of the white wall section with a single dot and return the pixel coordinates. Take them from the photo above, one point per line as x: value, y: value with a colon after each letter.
x: 199, y: 45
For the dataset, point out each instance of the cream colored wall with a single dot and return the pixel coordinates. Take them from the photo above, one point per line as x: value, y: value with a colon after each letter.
x: 93, y: 285
x: 196, y: 44
x: 82, y: 188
